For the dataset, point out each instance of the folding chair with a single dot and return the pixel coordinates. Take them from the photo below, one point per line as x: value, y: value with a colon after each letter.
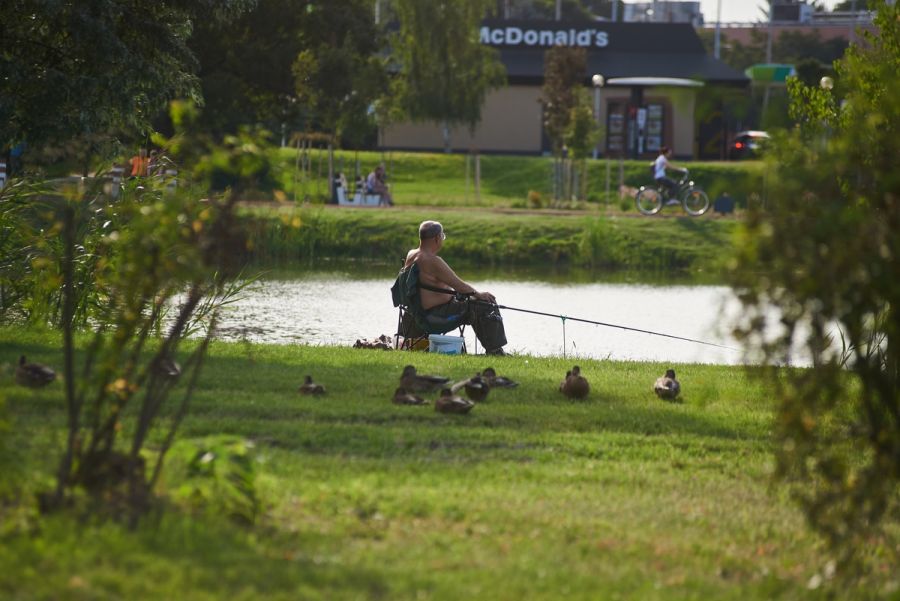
x: 412, y: 327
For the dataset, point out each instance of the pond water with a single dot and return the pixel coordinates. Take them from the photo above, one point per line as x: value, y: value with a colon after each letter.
x: 338, y: 306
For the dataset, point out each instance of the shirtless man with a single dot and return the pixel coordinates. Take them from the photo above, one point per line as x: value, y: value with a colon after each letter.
x: 441, y: 308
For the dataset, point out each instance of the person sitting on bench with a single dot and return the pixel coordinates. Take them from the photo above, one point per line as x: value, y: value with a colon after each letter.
x: 375, y: 185
x: 445, y: 298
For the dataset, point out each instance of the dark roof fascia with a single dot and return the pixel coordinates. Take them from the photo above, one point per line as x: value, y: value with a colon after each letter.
x: 619, y: 36
x: 527, y: 66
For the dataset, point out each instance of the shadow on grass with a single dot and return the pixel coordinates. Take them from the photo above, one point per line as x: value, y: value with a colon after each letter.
x: 177, y: 556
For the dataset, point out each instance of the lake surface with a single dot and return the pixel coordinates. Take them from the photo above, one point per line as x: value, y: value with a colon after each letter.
x: 336, y: 307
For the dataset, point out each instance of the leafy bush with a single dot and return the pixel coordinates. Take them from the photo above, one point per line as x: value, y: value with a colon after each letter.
x: 824, y: 251
x: 148, y: 261
x: 217, y: 474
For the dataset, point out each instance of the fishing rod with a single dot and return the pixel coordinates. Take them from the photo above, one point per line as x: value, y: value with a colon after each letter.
x: 612, y: 325
x: 565, y: 318
x: 470, y: 297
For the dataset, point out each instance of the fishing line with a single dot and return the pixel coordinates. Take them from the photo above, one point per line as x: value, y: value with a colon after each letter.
x: 564, y: 318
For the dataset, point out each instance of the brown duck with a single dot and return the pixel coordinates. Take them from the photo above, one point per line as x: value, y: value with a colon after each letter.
x: 401, y: 397
x: 451, y: 403
x: 166, y: 367
x: 414, y: 382
x: 33, y: 375
x: 310, y: 387
x: 475, y: 387
x: 490, y: 377
x: 667, y: 387
x: 575, y: 386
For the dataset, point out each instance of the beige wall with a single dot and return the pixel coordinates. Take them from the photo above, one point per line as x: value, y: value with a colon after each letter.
x: 510, y: 122
x: 682, y: 119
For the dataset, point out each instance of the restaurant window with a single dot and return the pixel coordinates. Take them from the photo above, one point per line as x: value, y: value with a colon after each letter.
x: 634, y: 131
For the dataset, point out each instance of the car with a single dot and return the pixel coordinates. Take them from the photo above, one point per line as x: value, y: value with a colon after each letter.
x: 747, y: 145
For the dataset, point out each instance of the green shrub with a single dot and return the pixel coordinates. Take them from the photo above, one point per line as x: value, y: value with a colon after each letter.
x: 216, y: 474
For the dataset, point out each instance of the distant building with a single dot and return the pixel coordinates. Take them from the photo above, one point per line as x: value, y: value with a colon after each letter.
x: 641, y: 112
x: 663, y: 12
x: 797, y: 16
x: 792, y: 11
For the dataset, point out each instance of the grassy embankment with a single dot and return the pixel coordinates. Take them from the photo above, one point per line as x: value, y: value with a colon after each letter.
x: 426, y: 179
x: 490, y: 238
x: 532, y: 496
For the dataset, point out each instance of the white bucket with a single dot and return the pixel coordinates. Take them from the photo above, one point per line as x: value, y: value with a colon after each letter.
x: 446, y: 345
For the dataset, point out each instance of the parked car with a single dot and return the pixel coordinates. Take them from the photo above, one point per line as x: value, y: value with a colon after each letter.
x: 747, y: 145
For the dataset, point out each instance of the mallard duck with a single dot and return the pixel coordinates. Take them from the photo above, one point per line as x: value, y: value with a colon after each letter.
x: 167, y: 368
x: 401, y: 397
x: 475, y: 388
x: 310, y: 387
x: 667, y: 387
x: 575, y: 386
x: 33, y: 375
x: 414, y: 382
x: 451, y: 403
x: 490, y: 377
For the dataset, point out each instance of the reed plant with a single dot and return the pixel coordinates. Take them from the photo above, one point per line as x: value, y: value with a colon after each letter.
x: 488, y: 238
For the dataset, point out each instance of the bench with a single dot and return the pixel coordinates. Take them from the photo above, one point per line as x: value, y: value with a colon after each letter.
x: 359, y: 199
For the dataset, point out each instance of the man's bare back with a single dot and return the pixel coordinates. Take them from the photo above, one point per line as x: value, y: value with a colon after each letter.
x: 442, y: 311
x: 434, y: 271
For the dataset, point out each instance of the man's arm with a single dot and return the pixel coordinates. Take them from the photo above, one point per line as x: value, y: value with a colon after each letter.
x: 443, y: 273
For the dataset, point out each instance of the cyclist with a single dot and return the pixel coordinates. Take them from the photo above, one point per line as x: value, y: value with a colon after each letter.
x: 659, y: 174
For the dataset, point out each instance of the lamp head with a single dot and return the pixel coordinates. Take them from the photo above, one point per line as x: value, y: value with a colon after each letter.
x: 598, y: 80
x: 826, y: 83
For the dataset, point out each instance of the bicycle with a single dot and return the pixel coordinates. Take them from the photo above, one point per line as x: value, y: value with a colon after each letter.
x: 650, y: 199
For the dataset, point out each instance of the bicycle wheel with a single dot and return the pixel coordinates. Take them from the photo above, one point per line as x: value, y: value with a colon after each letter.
x: 648, y: 201
x: 695, y: 202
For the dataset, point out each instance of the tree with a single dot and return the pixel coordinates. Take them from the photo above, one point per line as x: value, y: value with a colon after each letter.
x: 565, y: 70
x: 77, y: 68
x: 581, y: 137
x: 824, y: 255
x: 338, y: 74
x: 444, y: 72
x: 245, y: 67
x: 846, y: 5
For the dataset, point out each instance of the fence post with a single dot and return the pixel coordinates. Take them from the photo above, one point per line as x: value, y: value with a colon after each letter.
x: 171, y: 180
x: 116, y: 173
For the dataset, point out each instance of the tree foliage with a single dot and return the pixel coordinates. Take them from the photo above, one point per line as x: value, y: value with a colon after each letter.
x: 825, y: 255
x: 338, y: 74
x: 565, y: 70
x: 444, y: 72
x: 76, y: 68
x: 245, y: 66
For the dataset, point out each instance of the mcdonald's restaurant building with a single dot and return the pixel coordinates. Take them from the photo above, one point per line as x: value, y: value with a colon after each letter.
x: 653, y: 75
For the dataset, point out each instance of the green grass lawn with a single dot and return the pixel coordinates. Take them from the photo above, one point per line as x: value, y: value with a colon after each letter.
x: 435, y: 179
x: 531, y: 496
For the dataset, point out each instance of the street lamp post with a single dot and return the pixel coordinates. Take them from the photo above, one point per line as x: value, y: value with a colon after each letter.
x: 598, y: 81
x: 827, y: 84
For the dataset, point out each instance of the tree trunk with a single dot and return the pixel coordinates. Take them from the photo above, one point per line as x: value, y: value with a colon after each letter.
x: 446, y: 133
x: 330, y: 170
x: 72, y: 406
x: 477, y: 176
